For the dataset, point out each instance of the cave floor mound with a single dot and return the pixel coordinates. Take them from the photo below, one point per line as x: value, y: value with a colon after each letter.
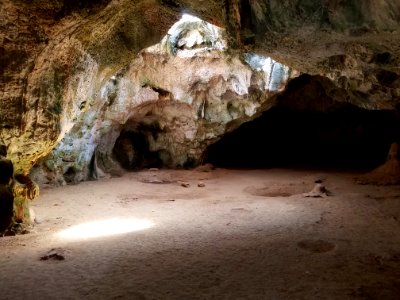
x: 223, y: 234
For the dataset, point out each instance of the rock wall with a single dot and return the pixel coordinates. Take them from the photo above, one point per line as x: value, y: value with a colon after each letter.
x: 46, y: 44
x: 55, y: 58
x: 52, y: 49
x: 353, y: 43
x: 180, y: 100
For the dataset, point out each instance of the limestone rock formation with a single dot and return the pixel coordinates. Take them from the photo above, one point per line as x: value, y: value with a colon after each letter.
x: 55, y: 58
x: 56, y: 55
x: 166, y: 107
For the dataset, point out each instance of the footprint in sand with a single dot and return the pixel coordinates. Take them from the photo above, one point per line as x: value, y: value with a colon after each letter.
x: 316, y: 246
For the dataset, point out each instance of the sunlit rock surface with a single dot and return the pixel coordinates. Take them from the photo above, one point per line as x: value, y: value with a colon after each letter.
x: 177, y: 96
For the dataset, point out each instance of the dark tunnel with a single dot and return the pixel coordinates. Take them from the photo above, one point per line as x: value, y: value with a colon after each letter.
x: 132, y: 151
x: 314, y: 132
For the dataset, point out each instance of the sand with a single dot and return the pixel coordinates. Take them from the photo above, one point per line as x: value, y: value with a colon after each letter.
x: 246, y: 234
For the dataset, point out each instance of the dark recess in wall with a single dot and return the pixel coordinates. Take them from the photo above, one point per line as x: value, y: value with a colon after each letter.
x: 348, y: 137
x: 132, y: 151
x: 246, y: 23
x: 308, y: 128
x: 70, y: 6
x: 70, y: 174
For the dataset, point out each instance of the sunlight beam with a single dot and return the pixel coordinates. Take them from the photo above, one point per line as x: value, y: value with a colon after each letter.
x: 105, y: 228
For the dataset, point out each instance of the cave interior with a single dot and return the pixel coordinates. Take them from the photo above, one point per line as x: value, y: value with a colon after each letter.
x: 314, y: 132
x: 200, y: 150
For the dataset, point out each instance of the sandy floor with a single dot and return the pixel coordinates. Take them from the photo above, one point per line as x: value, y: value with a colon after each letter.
x: 244, y: 235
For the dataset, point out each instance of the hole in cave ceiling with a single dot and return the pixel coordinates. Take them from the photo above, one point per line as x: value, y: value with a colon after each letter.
x: 191, y: 36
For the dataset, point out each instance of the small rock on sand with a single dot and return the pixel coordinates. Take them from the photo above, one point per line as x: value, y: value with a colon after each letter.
x: 55, y: 254
x: 185, y: 184
x: 318, y: 191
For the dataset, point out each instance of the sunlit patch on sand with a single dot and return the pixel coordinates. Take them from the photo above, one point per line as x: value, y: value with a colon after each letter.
x: 105, y: 228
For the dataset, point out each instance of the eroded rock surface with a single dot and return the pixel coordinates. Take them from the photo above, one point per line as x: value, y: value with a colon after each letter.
x: 166, y: 107
x: 56, y: 57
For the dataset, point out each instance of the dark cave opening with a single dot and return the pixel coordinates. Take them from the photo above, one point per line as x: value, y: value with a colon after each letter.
x: 132, y: 151
x: 348, y: 138
x: 310, y: 128
x: 70, y: 174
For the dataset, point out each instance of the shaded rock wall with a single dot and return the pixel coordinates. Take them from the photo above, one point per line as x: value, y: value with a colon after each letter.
x: 354, y: 43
